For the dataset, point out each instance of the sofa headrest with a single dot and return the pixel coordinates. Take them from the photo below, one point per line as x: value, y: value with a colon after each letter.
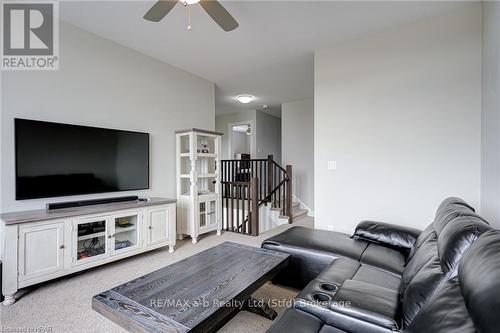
x: 450, y: 209
x: 454, y: 201
x: 479, y: 278
x: 457, y: 237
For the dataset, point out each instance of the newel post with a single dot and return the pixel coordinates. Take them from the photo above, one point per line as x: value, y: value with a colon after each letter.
x: 270, y: 173
x: 254, y: 214
x: 289, y: 193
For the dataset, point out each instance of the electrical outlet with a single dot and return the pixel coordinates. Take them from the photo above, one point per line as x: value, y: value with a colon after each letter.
x: 332, y: 165
x: 330, y: 227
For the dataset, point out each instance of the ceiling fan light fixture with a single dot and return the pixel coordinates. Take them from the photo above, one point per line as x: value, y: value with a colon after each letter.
x: 189, y: 2
x: 245, y: 98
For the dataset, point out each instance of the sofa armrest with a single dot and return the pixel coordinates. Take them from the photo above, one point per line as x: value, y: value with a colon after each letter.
x: 387, y: 234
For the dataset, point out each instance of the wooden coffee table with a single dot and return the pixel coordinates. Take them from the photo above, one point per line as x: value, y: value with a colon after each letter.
x: 198, y: 294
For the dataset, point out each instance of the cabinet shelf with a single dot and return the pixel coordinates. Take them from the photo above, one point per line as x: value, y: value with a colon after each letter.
x: 90, y: 236
x: 207, y: 155
x: 203, y: 194
x: 206, y: 175
x: 125, y: 229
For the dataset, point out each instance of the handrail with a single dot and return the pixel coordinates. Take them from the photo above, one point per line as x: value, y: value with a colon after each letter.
x: 236, y: 183
x: 279, y: 166
x: 250, y: 160
x: 273, y: 191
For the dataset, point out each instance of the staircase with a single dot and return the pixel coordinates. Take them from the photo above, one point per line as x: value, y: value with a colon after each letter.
x: 280, y: 219
x: 256, y: 195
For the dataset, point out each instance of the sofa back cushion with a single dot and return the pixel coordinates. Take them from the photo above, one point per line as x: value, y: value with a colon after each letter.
x: 449, y: 209
x: 457, y: 237
x: 436, y: 262
x: 470, y: 301
x: 425, y: 246
x: 479, y: 277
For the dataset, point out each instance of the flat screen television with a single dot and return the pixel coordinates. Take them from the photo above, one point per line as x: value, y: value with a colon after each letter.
x: 54, y: 159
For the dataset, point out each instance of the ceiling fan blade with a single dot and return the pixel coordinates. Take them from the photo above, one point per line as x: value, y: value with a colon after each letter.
x: 219, y: 14
x: 160, y: 10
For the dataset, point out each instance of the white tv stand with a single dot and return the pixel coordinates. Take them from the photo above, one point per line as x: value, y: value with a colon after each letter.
x: 41, y: 245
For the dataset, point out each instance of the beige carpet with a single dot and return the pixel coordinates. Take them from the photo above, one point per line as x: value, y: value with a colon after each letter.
x: 64, y: 305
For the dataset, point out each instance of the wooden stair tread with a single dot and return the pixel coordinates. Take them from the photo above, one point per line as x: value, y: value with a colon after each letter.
x: 299, y: 212
x: 295, y: 213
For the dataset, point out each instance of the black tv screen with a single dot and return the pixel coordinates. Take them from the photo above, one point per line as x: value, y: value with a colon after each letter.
x: 55, y: 159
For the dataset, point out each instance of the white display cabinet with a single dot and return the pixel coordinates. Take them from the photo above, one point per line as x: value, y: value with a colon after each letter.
x: 198, y: 182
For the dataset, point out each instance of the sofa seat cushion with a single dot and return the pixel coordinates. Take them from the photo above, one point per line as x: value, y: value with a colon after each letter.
x: 342, y: 269
x: 379, y: 277
x: 297, y: 321
x: 384, y: 257
x: 368, y: 302
x: 360, y: 301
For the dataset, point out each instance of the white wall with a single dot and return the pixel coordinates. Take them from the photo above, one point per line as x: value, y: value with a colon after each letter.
x: 400, y: 112
x: 297, y: 146
x: 490, y: 167
x: 268, y: 136
x: 103, y: 84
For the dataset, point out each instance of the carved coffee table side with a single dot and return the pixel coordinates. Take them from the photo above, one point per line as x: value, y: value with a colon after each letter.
x: 133, y: 316
x: 225, y: 314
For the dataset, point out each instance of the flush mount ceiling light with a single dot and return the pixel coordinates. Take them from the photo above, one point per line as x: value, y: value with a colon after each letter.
x: 245, y: 98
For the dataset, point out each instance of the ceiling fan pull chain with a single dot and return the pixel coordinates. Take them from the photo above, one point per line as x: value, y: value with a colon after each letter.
x: 188, y: 15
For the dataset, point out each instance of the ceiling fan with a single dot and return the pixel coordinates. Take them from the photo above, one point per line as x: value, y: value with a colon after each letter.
x: 213, y: 8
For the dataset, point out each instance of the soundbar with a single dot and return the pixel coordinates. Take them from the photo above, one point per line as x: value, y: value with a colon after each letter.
x: 71, y: 204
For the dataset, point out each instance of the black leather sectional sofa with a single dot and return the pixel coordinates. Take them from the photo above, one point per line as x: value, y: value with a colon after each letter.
x: 388, y: 278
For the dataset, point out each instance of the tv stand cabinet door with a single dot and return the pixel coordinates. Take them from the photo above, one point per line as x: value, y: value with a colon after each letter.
x: 160, y: 222
x: 41, y: 251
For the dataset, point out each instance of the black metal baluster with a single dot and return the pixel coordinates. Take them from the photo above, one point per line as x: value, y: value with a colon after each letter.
x: 243, y: 225
x: 237, y: 210
x: 232, y: 206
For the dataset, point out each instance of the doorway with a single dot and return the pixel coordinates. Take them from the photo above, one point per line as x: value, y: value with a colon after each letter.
x: 241, y: 144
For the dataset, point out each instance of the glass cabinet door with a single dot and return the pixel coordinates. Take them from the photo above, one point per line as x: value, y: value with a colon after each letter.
x: 203, y: 214
x: 126, y: 232
x: 211, y: 213
x: 91, y: 239
x: 208, y: 217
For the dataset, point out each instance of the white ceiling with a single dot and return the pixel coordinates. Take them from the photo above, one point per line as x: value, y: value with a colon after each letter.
x: 270, y: 55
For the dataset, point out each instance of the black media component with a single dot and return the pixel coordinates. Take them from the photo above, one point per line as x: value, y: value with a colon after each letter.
x: 71, y: 204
